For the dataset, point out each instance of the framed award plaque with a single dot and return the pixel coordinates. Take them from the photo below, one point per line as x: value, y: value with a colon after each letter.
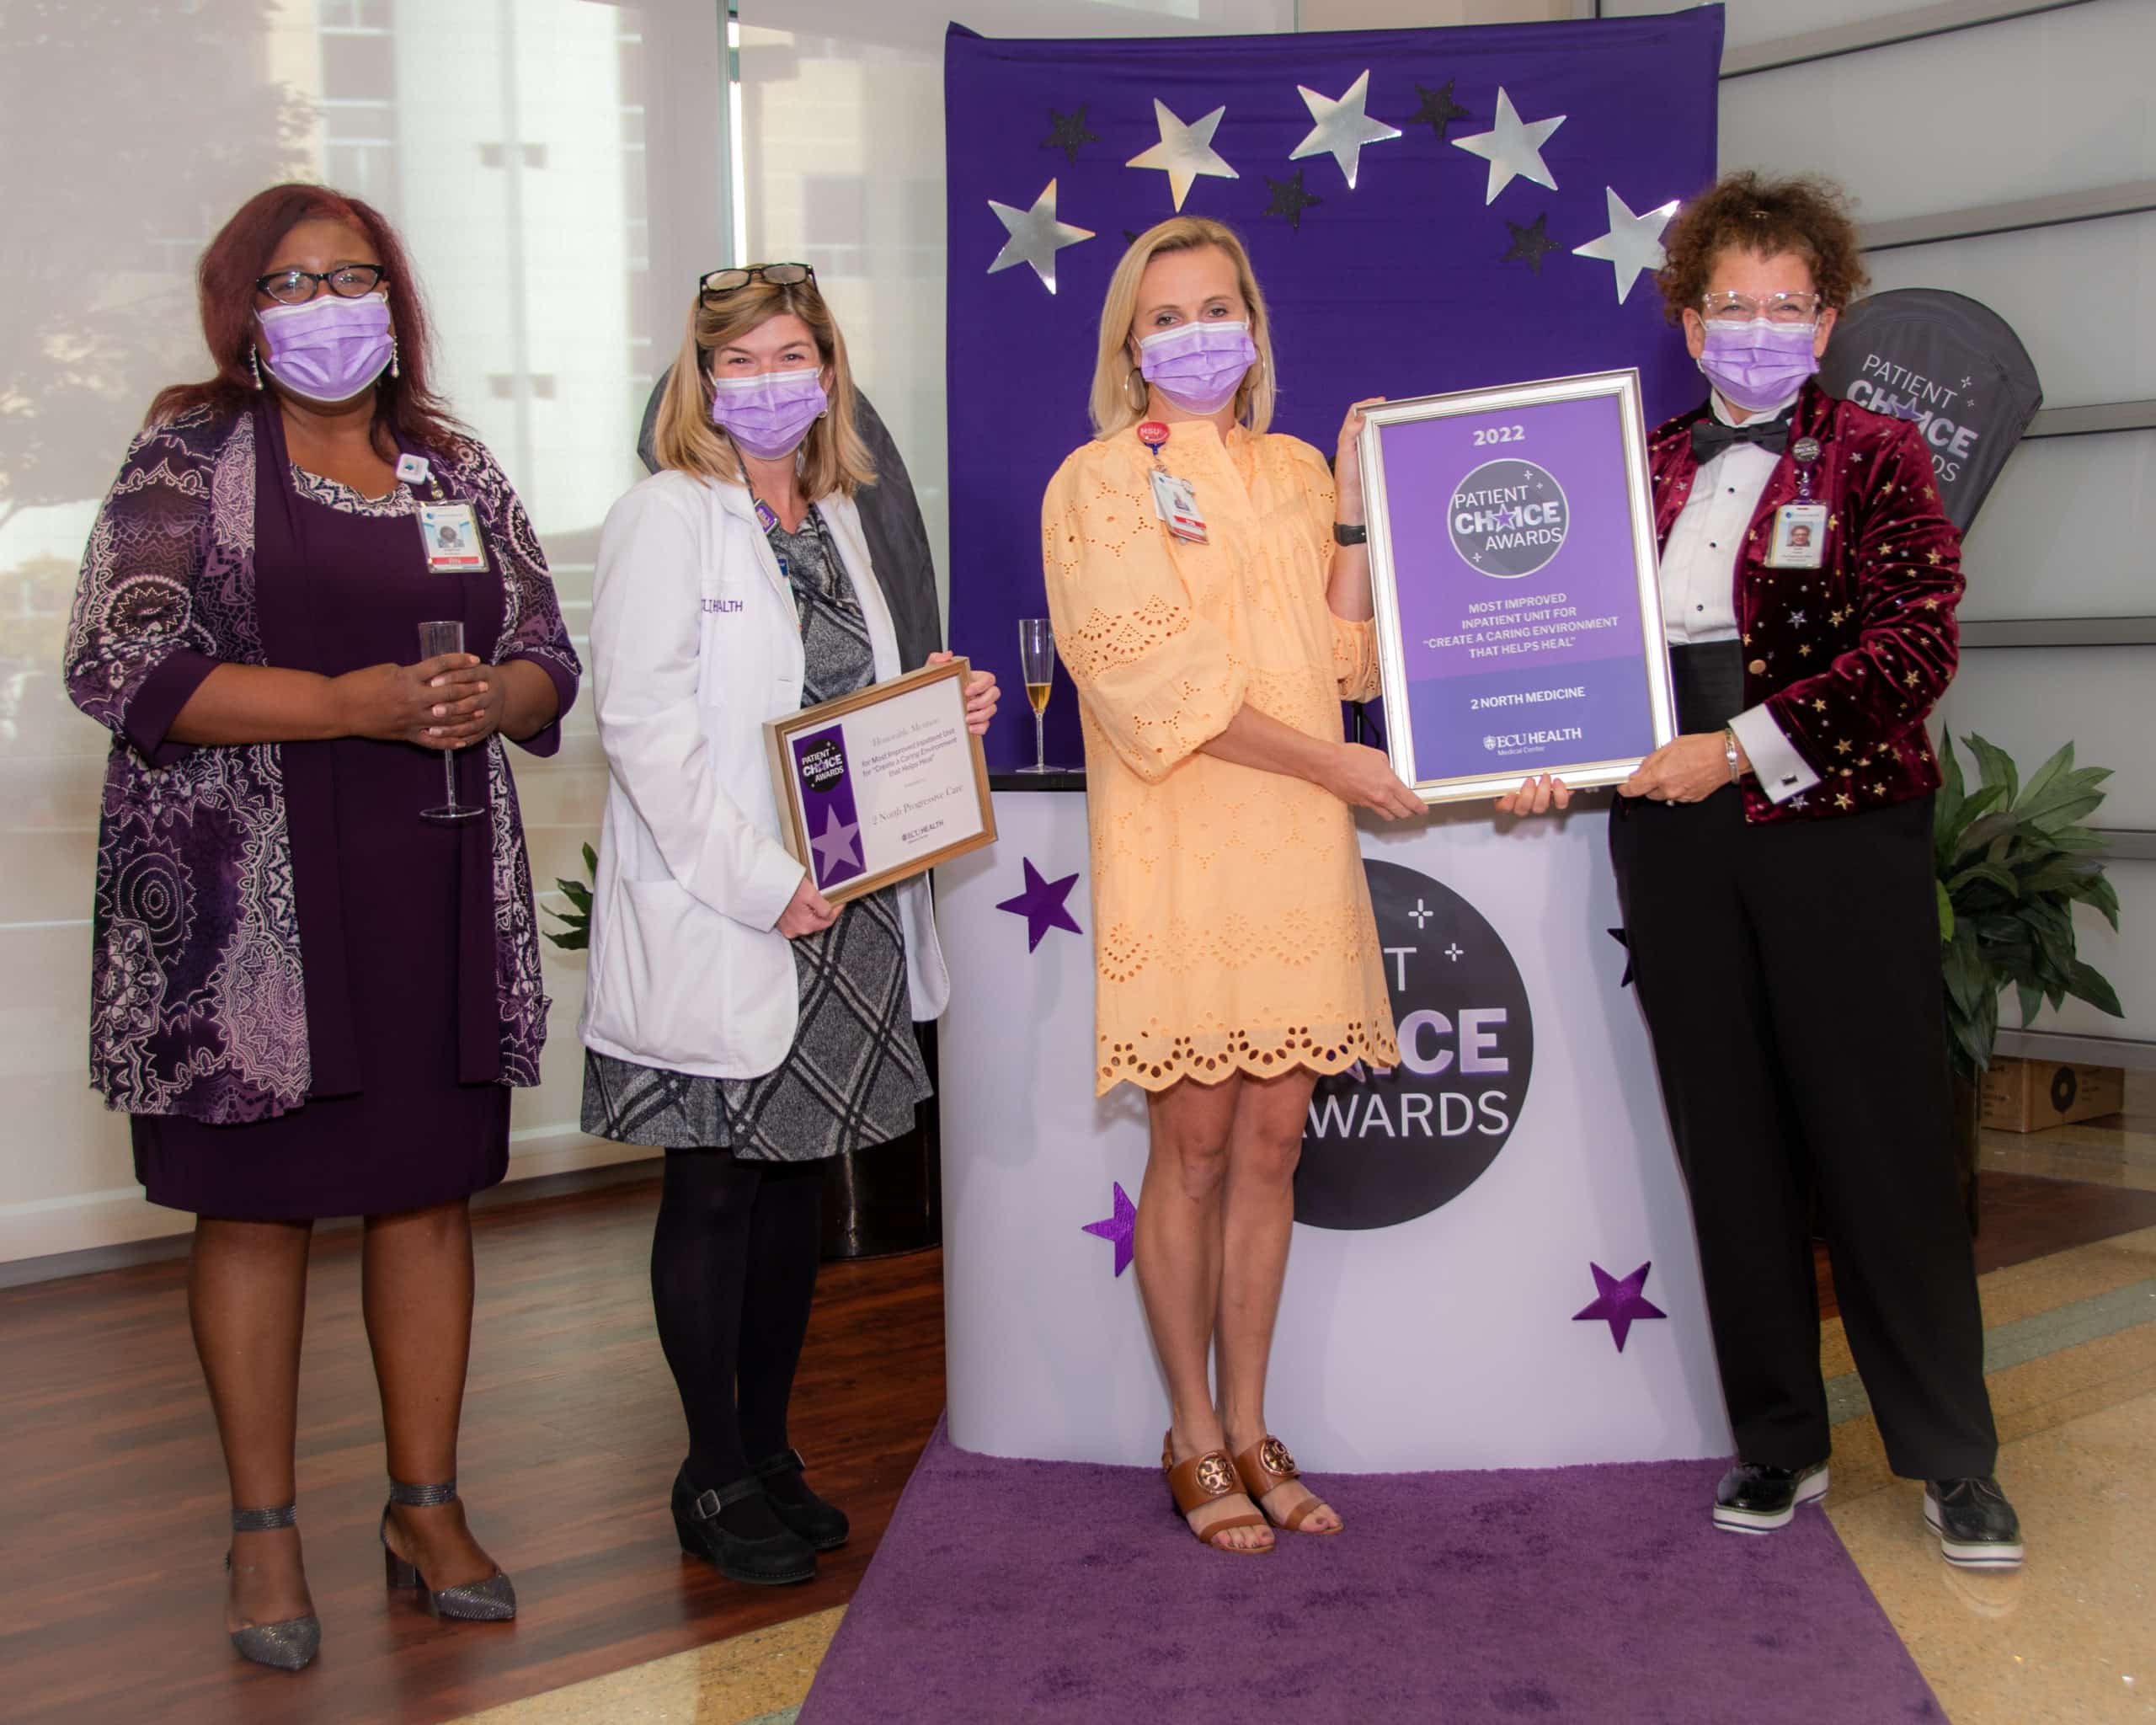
x: 882, y: 784
x: 1513, y: 564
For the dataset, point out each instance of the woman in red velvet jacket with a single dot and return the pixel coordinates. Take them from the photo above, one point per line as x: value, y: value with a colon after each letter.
x: 1773, y: 862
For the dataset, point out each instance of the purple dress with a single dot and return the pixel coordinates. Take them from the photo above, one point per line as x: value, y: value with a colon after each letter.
x: 396, y: 914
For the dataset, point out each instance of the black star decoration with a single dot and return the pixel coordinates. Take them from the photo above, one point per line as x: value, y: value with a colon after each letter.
x: 1623, y: 941
x: 1067, y: 132
x: 1290, y: 200
x: 1531, y: 243
x: 1438, y: 110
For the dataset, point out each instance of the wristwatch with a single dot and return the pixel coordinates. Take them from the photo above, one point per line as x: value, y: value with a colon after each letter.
x: 1344, y: 534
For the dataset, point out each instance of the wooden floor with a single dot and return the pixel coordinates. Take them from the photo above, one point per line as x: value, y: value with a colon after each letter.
x: 113, y: 1501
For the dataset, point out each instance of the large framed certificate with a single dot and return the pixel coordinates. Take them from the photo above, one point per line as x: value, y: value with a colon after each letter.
x: 881, y: 784
x: 1513, y: 564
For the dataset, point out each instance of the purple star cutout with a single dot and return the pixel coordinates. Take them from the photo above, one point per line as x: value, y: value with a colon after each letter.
x: 1618, y: 1303
x: 1118, y: 1228
x: 1041, y: 905
x: 1508, y: 518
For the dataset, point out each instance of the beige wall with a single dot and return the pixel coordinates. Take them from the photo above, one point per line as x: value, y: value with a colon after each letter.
x: 1415, y: 15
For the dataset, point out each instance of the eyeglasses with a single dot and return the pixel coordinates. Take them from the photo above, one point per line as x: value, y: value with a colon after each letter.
x: 719, y: 282
x: 351, y: 281
x: 1775, y: 307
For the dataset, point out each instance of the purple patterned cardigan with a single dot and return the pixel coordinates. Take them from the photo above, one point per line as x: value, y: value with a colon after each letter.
x: 198, y: 1003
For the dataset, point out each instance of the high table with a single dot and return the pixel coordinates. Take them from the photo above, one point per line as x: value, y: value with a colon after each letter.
x: 1464, y: 1287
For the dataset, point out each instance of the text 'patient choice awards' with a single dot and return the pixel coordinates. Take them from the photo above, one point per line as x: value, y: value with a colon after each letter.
x: 1383, y: 1147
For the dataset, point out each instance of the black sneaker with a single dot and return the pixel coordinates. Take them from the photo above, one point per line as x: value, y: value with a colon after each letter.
x: 1755, y: 1499
x: 1977, y: 1527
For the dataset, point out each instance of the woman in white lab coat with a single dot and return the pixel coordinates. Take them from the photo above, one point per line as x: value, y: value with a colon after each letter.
x: 732, y: 1015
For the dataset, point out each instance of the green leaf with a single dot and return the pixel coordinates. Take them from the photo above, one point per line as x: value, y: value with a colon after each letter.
x: 576, y: 940
x: 2060, y: 762
x: 1997, y: 873
x: 591, y: 860
x: 1995, y: 764
x: 1990, y: 828
x: 2087, y: 983
x: 576, y: 893
x: 1946, y: 913
x: 2031, y: 999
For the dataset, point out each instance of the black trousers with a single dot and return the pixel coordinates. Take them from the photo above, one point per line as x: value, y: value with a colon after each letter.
x: 1790, y: 974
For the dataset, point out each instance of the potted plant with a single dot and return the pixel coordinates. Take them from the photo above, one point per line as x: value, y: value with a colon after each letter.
x: 2013, y: 860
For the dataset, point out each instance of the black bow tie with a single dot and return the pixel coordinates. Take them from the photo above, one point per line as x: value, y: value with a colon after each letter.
x: 1711, y: 437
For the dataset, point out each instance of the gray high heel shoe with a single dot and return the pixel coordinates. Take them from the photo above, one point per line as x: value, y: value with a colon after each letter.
x: 293, y: 1644
x: 493, y: 1601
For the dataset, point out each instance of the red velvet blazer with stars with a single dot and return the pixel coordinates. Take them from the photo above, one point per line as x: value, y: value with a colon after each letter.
x: 1850, y: 657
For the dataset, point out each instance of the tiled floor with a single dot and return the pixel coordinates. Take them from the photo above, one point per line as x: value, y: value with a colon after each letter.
x: 2072, y: 1365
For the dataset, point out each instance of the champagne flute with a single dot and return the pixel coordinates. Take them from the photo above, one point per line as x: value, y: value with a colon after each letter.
x: 1037, y: 656
x: 434, y: 640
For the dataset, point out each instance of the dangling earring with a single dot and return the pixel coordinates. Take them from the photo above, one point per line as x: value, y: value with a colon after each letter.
x: 254, y: 369
x: 393, y: 371
x: 1136, y: 375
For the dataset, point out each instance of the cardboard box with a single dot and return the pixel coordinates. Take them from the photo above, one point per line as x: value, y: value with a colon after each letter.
x: 2027, y: 1095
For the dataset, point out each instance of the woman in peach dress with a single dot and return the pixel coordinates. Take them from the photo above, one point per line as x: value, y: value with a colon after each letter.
x: 1237, y: 955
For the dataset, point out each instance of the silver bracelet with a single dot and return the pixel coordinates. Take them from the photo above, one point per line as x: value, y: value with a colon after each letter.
x: 1729, y: 752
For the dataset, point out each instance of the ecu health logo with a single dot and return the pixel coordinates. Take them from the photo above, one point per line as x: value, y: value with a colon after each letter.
x: 1380, y: 1148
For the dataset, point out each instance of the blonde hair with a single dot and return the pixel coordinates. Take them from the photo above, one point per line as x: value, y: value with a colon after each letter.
x: 833, y: 456
x: 1111, y: 406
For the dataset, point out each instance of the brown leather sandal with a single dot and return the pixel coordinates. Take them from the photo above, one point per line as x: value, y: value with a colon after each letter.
x: 1202, y: 1480
x: 1266, y: 1465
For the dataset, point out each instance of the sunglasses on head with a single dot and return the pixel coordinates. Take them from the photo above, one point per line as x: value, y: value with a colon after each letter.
x: 721, y: 282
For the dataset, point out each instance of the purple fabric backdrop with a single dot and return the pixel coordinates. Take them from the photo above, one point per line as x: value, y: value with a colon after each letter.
x: 1400, y: 287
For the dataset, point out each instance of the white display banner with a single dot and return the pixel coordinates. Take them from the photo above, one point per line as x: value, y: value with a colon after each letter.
x: 1521, y: 1144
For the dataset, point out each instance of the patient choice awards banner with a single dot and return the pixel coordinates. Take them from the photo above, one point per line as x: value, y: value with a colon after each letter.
x: 1428, y: 210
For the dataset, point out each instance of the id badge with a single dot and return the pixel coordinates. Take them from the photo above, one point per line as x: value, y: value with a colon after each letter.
x: 1176, y: 503
x: 1799, y: 536
x: 451, y: 534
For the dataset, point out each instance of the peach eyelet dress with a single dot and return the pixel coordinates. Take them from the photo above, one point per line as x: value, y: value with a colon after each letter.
x: 1232, y: 929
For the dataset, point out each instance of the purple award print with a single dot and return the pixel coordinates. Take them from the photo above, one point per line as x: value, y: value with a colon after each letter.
x: 1520, y: 628
x: 828, y: 813
x: 1119, y: 1229
x: 1618, y: 1303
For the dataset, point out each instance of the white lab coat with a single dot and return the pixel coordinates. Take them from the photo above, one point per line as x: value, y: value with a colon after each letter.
x: 695, y: 643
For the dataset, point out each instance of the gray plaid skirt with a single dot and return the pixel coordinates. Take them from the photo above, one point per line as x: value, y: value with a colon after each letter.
x: 852, y: 1079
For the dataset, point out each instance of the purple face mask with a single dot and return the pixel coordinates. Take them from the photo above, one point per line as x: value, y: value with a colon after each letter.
x: 1758, y: 364
x: 329, y: 349
x: 1198, y: 366
x: 769, y: 415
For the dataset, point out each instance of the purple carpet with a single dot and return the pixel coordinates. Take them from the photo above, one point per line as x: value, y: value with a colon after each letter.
x: 1021, y: 1591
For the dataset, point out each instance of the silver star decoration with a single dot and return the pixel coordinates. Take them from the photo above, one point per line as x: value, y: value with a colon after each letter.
x: 1036, y: 237
x: 1342, y: 127
x: 834, y: 844
x: 1184, y: 151
x: 1633, y: 243
x: 1513, y: 147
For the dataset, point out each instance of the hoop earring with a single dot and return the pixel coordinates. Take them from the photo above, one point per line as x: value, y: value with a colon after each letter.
x: 253, y: 369
x: 1145, y: 396
x: 394, y: 370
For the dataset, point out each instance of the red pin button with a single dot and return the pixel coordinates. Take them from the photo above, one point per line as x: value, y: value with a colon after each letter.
x: 1152, y: 433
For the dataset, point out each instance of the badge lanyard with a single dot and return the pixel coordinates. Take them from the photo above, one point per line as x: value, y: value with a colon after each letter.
x: 448, y: 532
x: 1800, y: 541
x: 1174, y: 501
x: 767, y: 518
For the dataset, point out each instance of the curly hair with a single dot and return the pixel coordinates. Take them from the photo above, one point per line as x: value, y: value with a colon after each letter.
x: 1807, y: 216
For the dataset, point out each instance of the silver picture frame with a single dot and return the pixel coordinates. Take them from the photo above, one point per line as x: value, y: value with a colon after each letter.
x: 1398, y: 481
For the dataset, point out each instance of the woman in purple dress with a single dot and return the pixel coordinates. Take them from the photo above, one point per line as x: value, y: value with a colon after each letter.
x: 312, y: 1001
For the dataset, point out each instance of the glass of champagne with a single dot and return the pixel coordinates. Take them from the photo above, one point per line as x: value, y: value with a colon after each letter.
x: 434, y: 640
x: 1037, y: 656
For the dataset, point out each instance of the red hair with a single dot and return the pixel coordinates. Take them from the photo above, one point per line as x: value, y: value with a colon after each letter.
x: 406, y: 406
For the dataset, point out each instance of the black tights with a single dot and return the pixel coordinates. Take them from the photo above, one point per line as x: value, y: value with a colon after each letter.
x: 733, y: 1271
